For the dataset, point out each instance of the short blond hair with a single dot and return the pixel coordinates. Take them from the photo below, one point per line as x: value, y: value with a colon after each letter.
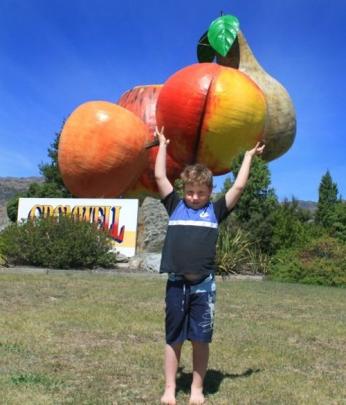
x: 197, y: 173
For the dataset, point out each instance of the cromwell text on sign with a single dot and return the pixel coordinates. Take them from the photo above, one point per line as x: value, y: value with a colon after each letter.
x: 118, y: 216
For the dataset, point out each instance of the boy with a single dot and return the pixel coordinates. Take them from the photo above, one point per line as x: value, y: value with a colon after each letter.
x: 188, y: 258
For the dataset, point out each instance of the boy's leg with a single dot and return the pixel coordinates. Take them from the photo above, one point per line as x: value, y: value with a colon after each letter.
x: 201, y: 322
x: 172, y: 358
x: 200, y: 356
x: 176, y: 328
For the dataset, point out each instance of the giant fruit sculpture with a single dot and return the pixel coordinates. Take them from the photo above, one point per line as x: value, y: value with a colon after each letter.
x: 102, y: 150
x: 142, y: 100
x: 210, y: 111
x: 280, y: 127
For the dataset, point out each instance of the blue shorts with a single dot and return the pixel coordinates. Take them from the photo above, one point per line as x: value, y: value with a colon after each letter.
x: 189, y: 309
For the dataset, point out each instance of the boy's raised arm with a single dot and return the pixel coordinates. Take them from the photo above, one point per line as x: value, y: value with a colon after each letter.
x: 233, y: 194
x: 163, y: 184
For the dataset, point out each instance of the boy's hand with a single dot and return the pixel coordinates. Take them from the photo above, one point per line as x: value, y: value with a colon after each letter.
x: 257, y: 150
x: 160, y: 136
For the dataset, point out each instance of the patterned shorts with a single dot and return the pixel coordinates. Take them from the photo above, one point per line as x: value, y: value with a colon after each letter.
x: 189, y: 309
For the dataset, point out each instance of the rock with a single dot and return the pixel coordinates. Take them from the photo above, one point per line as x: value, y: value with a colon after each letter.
x: 149, y: 262
x: 151, y: 232
x: 152, y: 225
x: 121, y: 258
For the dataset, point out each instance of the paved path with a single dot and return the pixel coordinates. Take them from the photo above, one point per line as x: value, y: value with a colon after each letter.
x: 122, y: 270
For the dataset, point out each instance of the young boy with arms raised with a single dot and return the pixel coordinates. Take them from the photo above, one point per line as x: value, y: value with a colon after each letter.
x: 188, y: 257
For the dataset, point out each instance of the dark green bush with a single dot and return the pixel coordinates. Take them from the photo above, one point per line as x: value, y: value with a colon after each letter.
x: 3, y: 259
x: 338, y: 227
x: 321, y: 261
x: 60, y: 243
x: 289, y: 228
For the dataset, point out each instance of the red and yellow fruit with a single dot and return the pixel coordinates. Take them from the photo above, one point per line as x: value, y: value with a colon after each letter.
x: 102, y: 150
x: 210, y: 113
x: 142, y: 100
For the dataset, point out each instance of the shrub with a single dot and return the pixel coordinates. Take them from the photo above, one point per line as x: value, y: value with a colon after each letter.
x: 289, y: 231
x: 235, y: 253
x: 12, y: 207
x: 259, y: 262
x: 57, y: 243
x: 338, y: 227
x: 3, y: 259
x: 321, y: 261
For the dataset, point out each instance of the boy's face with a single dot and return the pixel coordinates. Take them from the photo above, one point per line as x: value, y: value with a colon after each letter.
x: 196, y: 195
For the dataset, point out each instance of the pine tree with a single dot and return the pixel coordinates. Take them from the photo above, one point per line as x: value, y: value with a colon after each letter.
x: 50, y: 171
x: 255, y: 210
x: 327, y: 200
x: 290, y: 225
x: 339, y: 221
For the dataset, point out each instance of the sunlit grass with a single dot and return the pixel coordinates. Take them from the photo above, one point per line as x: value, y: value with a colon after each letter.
x: 98, y: 339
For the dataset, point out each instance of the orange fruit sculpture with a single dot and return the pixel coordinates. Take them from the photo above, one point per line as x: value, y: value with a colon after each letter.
x: 102, y: 150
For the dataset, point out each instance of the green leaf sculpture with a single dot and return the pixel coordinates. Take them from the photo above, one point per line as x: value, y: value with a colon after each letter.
x: 222, y: 33
x: 205, y: 53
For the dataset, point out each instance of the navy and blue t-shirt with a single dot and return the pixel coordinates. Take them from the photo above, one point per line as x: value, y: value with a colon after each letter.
x: 190, y: 244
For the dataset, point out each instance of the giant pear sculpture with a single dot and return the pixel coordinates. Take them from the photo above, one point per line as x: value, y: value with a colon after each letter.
x: 280, y: 128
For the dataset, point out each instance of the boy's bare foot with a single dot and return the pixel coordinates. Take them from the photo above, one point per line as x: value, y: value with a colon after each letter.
x: 168, y: 397
x: 196, y: 397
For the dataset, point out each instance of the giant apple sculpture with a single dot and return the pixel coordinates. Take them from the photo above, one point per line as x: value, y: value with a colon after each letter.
x: 102, y: 150
x: 142, y: 100
x: 211, y: 113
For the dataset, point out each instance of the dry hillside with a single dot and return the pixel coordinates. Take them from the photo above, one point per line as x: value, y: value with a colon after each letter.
x: 10, y: 186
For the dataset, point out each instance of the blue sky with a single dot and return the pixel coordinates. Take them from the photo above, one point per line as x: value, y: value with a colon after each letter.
x: 57, y: 54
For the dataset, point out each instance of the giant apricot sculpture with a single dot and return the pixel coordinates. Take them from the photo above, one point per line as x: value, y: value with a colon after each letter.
x: 102, y: 150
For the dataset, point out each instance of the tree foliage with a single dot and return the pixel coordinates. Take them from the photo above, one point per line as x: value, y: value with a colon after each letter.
x: 290, y: 225
x: 331, y: 210
x: 255, y: 210
x: 338, y: 221
x: 322, y: 261
x: 327, y: 199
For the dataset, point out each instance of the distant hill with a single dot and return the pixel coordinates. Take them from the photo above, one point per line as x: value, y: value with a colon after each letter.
x: 308, y: 205
x: 9, y: 187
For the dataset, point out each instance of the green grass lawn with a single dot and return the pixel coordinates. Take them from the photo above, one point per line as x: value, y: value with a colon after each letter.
x: 99, y: 339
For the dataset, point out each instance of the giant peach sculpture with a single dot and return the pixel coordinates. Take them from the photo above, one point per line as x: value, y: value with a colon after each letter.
x: 211, y: 113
